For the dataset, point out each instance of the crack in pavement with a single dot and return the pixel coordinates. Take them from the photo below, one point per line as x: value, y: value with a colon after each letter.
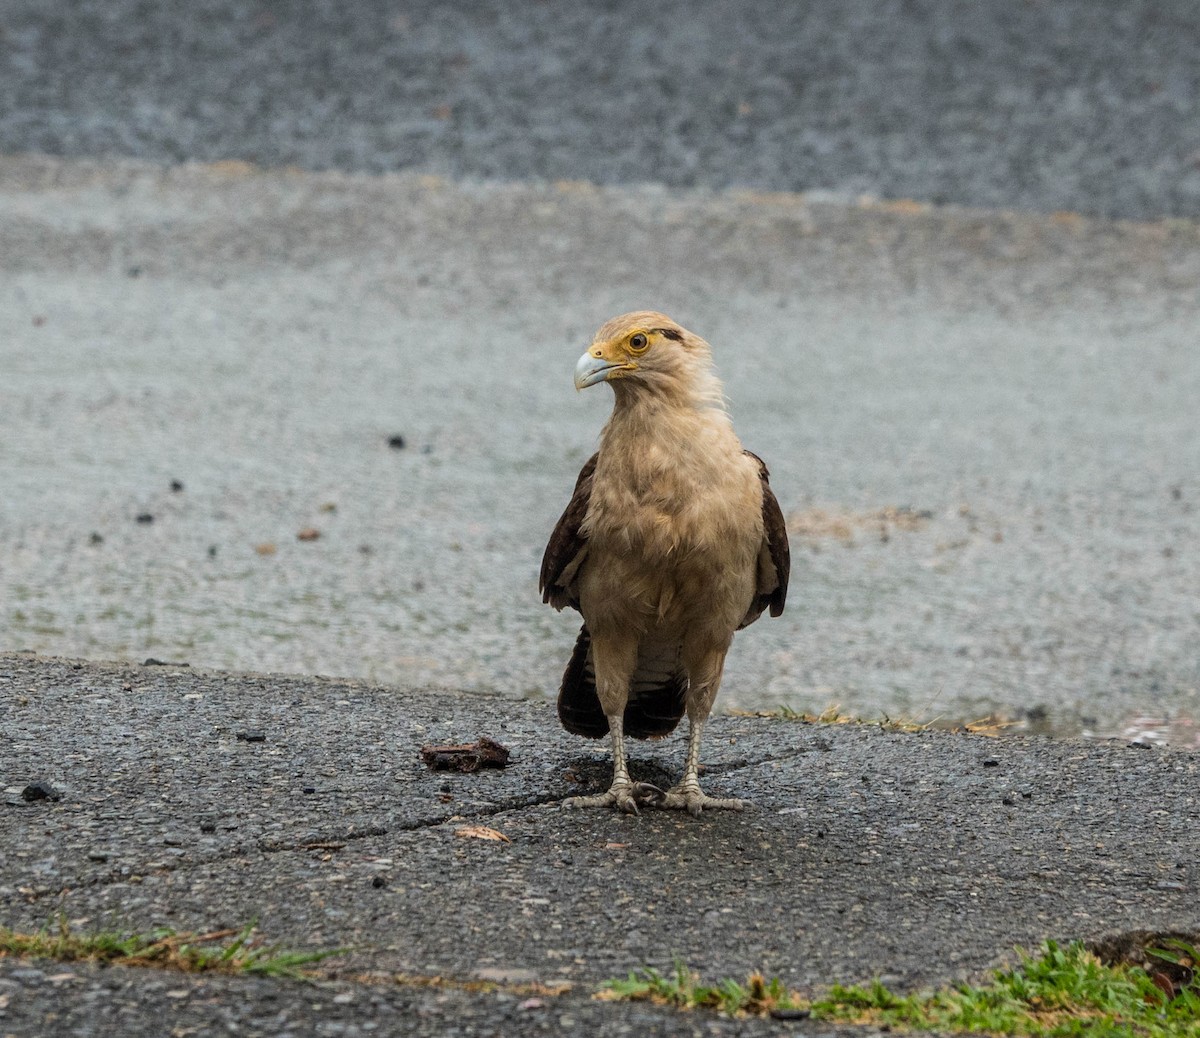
x: 327, y: 841
x: 314, y: 841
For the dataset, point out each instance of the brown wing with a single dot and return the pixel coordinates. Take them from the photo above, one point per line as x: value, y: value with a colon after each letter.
x: 774, y: 558
x: 564, y: 553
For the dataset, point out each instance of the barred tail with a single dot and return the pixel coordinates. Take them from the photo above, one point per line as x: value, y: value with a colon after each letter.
x: 657, y: 693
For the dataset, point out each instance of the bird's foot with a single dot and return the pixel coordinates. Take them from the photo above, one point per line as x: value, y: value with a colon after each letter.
x: 624, y: 795
x: 694, y: 801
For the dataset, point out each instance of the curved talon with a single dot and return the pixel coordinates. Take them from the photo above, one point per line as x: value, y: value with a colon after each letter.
x: 648, y: 793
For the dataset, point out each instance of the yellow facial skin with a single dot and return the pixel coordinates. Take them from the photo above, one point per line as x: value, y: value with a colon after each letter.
x: 613, y: 359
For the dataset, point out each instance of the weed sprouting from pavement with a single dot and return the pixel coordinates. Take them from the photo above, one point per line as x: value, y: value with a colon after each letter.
x: 682, y: 989
x: 219, y: 951
x: 832, y: 715
x: 1062, y: 992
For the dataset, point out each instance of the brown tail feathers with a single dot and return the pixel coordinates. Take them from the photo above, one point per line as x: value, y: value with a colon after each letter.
x: 657, y: 693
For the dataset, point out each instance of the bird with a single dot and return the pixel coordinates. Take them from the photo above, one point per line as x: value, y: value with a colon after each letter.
x: 672, y: 541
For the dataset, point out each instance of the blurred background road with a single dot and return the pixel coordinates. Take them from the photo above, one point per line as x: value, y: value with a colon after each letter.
x: 1078, y: 105
x: 246, y: 245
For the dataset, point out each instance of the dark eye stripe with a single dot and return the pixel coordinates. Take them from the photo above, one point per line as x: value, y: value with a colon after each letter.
x: 670, y: 333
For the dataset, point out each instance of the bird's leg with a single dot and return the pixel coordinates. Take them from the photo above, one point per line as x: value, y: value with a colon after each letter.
x: 688, y: 794
x: 622, y: 793
x: 704, y: 673
x: 614, y: 656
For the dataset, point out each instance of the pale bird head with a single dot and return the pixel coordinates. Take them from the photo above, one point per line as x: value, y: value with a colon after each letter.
x: 647, y: 350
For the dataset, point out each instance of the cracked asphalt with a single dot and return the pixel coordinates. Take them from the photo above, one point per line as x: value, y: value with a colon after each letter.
x: 919, y: 857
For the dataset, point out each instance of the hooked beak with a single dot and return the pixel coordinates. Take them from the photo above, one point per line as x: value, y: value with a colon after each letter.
x: 593, y: 368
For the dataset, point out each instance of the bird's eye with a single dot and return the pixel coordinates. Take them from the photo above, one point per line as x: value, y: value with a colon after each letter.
x: 638, y: 342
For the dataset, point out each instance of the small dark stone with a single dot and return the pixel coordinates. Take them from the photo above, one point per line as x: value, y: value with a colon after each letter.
x: 991, y: 762
x: 95, y: 539
x: 40, y: 791
x: 309, y: 789
x: 144, y: 518
x: 1009, y: 802
x: 134, y: 272
x: 396, y: 442
x: 252, y: 735
x: 379, y: 882
x: 790, y: 1014
x: 151, y: 661
x: 176, y: 486
x: 212, y: 551
x: 208, y: 826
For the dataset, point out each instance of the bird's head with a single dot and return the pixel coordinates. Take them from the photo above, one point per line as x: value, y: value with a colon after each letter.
x: 647, y: 350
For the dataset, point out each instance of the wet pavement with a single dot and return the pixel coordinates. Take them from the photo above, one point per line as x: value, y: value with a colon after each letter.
x: 920, y: 858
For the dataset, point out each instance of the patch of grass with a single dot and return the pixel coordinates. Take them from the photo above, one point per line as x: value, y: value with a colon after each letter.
x: 221, y: 951
x: 757, y: 996
x: 1063, y: 992
x: 833, y: 715
x: 830, y: 715
x: 989, y: 726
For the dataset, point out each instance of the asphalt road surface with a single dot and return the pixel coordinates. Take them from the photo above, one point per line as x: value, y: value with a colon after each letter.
x: 1050, y: 105
x: 920, y: 858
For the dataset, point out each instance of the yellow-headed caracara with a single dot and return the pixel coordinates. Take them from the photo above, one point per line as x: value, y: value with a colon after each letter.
x: 671, y: 542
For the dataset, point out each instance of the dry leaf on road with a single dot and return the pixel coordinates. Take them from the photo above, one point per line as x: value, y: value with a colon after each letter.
x: 480, y: 832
